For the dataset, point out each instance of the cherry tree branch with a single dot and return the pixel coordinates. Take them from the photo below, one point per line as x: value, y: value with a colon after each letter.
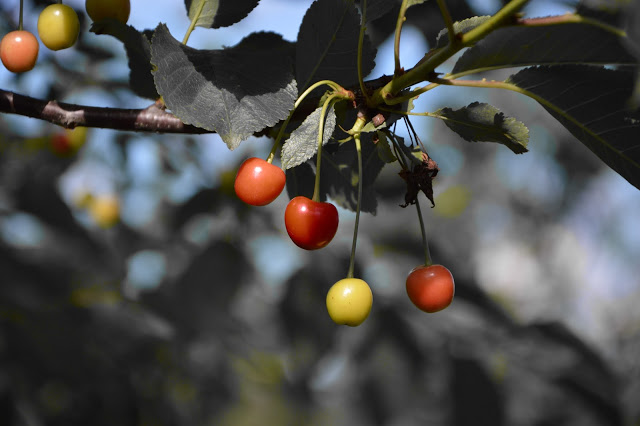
x: 151, y: 119
x: 154, y: 118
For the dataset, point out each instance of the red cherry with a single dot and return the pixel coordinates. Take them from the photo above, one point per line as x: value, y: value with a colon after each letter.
x: 19, y: 51
x: 258, y: 182
x: 430, y: 288
x: 60, y: 144
x: 310, y: 224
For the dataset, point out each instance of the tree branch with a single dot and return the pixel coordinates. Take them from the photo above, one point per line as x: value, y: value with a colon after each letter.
x: 151, y: 119
x: 154, y: 118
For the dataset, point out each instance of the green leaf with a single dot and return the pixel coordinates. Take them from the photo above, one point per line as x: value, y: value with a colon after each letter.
x: 460, y: 27
x: 138, y: 47
x: 546, y: 44
x: 339, y: 174
x: 384, y: 148
x: 303, y: 142
x: 480, y: 122
x: 235, y: 91
x: 378, y: 8
x: 592, y: 103
x: 327, y: 45
x: 370, y: 127
x: 218, y: 13
x: 301, y: 181
x: 415, y: 2
x: 632, y: 25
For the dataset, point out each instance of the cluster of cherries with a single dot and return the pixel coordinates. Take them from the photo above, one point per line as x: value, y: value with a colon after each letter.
x: 312, y: 225
x: 58, y: 28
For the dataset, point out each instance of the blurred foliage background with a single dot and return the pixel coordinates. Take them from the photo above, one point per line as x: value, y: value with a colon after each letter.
x: 135, y: 289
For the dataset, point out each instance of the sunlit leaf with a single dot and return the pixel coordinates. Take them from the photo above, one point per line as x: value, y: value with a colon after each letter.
x: 235, y: 91
x: 460, y: 27
x: 415, y: 2
x: 218, y: 13
x: 303, y: 142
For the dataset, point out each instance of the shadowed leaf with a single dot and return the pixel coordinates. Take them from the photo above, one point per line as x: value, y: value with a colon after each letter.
x: 138, y: 47
x: 339, y: 179
x: 592, y: 103
x: 547, y: 44
x: 328, y: 44
x: 480, y: 122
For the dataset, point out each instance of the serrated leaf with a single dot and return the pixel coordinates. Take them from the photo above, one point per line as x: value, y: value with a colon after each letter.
x: 303, y: 142
x: 592, y: 103
x: 235, y: 91
x: 218, y: 13
x: 138, y: 47
x: 480, y: 122
x: 460, y: 27
x: 552, y: 44
x: 327, y: 45
x: 339, y: 174
x: 370, y: 127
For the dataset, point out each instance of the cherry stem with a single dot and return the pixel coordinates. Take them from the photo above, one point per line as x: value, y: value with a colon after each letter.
x: 425, y: 243
x: 446, y: 16
x: 352, y: 260
x: 272, y: 153
x: 20, y: 17
x: 396, y: 44
x: 192, y: 24
x: 398, y: 153
x: 360, y: 46
x: 323, y: 113
x: 335, y: 86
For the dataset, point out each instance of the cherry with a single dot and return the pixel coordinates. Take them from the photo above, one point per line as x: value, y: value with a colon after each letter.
x: 310, y: 224
x: 19, y: 51
x: 104, y: 210
x: 430, y: 288
x: 259, y: 182
x: 58, y: 26
x: 102, y: 9
x: 68, y: 141
x: 349, y: 301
